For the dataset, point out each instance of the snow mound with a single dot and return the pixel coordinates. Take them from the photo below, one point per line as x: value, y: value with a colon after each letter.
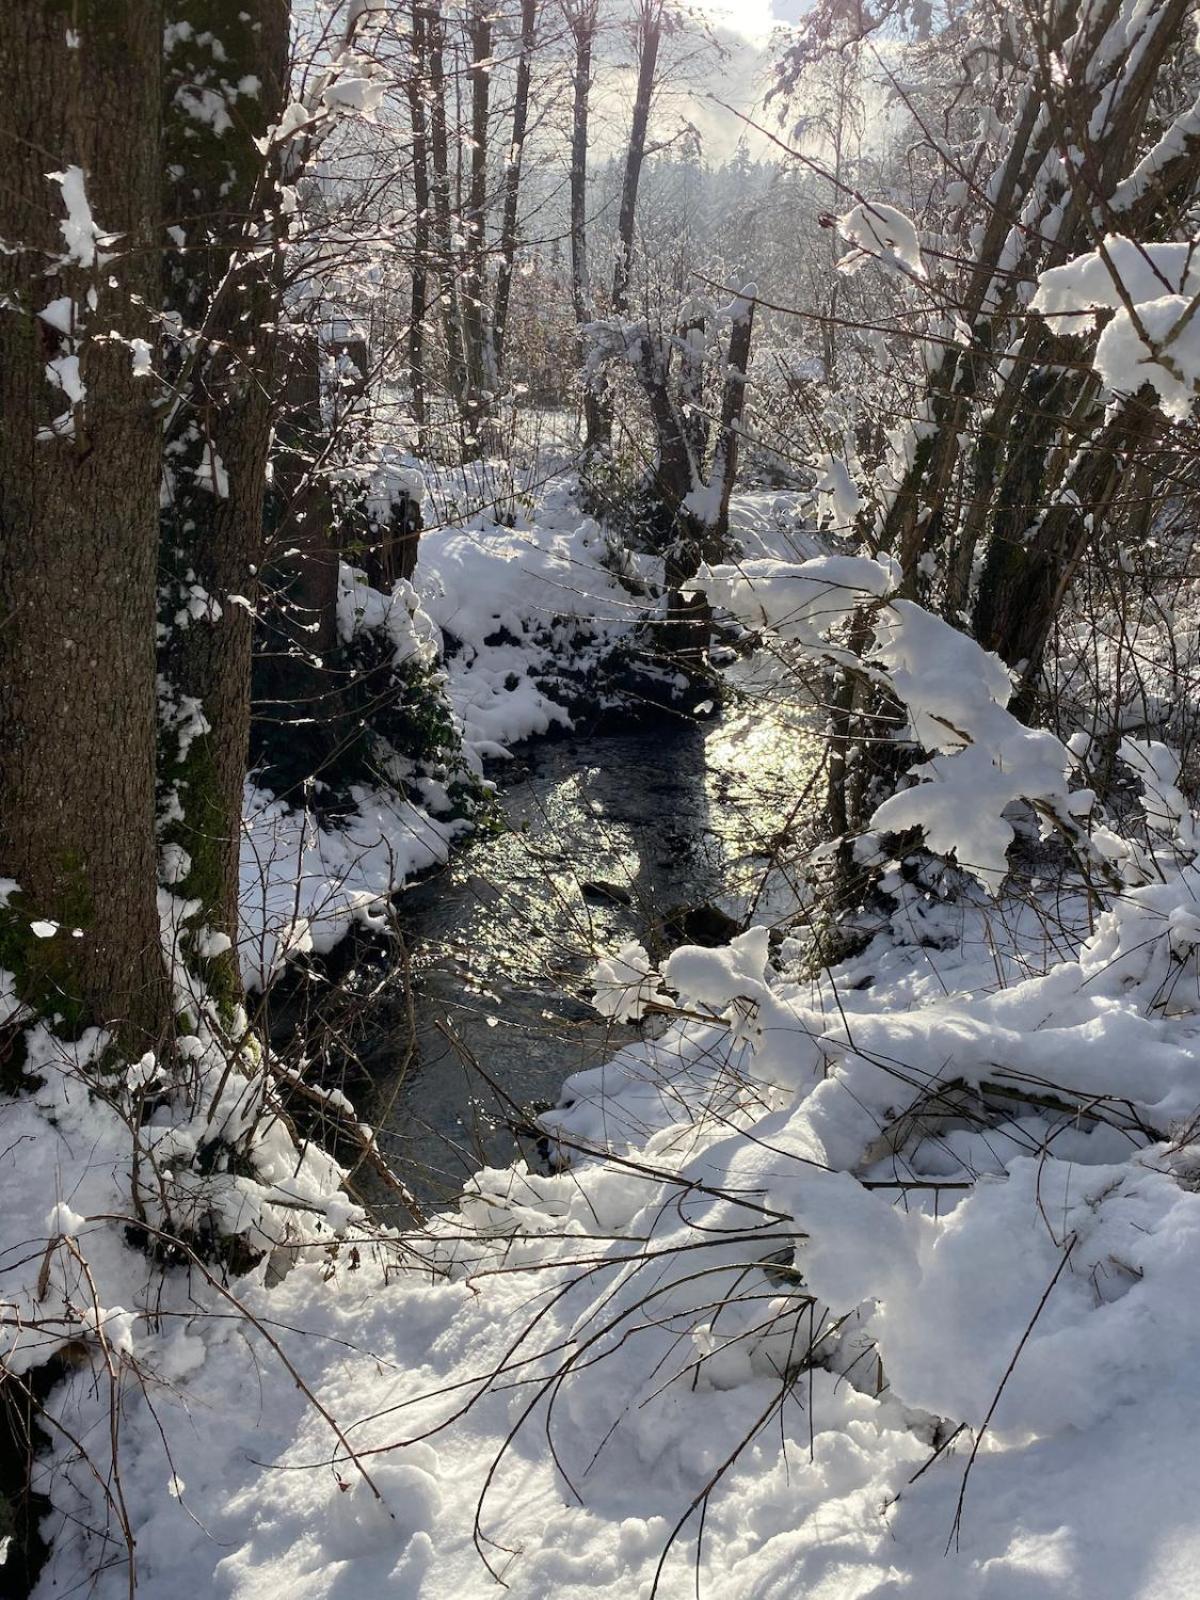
x: 525, y: 612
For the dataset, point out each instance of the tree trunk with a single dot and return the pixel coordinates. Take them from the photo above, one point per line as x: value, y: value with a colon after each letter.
x: 79, y: 476
x: 512, y: 183
x: 723, y: 472
x: 581, y: 18
x: 650, y: 22
x: 222, y: 284
x: 649, y: 36
x: 1033, y: 558
x: 435, y: 40
x: 475, y: 399
x: 419, y: 305
x: 295, y: 731
x: 701, y: 525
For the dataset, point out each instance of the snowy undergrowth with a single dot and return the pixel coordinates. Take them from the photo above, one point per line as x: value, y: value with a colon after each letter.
x: 305, y: 880
x: 872, y: 1284
x: 806, y: 1249
x: 304, y: 885
x: 133, y: 1194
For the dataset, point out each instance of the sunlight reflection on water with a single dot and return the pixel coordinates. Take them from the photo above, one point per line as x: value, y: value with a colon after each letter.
x: 612, y: 838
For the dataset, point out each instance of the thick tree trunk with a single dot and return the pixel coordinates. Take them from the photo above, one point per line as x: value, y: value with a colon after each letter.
x: 221, y: 282
x: 1032, y: 560
x: 295, y: 728
x: 79, y: 477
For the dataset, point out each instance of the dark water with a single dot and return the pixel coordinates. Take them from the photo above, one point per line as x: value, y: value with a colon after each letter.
x: 609, y: 838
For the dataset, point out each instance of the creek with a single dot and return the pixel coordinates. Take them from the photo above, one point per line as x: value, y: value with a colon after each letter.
x: 661, y: 834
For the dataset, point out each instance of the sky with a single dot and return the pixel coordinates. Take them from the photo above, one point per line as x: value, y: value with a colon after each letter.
x: 754, y: 19
x: 740, y: 80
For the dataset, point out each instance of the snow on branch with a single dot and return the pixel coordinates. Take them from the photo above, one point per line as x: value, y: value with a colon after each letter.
x: 800, y: 601
x: 1153, y: 335
x: 879, y: 232
x: 956, y: 694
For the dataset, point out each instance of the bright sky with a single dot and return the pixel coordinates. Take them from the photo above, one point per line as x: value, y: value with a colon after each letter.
x: 754, y: 19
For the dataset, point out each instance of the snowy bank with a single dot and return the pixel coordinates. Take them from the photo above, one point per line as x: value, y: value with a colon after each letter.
x: 523, y: 625
x: 531, y: 617
x: 800, y: 1261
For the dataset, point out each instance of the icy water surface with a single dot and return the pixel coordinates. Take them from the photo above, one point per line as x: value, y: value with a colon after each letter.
x: 652, y: 835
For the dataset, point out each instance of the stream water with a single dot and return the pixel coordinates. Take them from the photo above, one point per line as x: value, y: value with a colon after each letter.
x: 656, y: 834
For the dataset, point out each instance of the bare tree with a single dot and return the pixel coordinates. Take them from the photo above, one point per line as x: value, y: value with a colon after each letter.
x: 648, y: 32
x: 581, y: 17
x: 419, y: 300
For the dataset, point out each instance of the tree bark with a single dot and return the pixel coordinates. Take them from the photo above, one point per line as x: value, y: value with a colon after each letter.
x: 1025, y: 579
x: 475, y: 397
x: 649, y: 35
x: 435, y: 41
x: 222, y: 284
x: 79, y: 477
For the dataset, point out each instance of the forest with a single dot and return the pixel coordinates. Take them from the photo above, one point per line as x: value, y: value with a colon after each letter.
x: 599, y: 799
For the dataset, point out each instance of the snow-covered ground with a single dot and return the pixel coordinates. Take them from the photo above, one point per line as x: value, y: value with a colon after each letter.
x: 520, y: 608
x: 878, y: 1284
x: 938, y: 1199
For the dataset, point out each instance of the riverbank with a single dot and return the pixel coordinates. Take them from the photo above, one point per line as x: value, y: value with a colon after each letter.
x: 874, y: 1282
x: 782, y: 1278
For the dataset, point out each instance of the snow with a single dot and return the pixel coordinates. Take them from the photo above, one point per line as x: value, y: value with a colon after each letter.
x: 63, y: 372
x: 806, y: 1244
x: 581, y: 1309
x: 837, y: 494
x: 296, y: 116
x: 801, y: 601
x: 211, y: 475
x: 625, y: 984
x: 60, y: 315
x: 871, y: 1281
x: 955, y: 693
x: 355, y: 88
x: 1153, y: 335
x: 515, y: 606
x: 880, y: 233
x: 304, y: 886
x: 956, y: 696
x: 78, y: 228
